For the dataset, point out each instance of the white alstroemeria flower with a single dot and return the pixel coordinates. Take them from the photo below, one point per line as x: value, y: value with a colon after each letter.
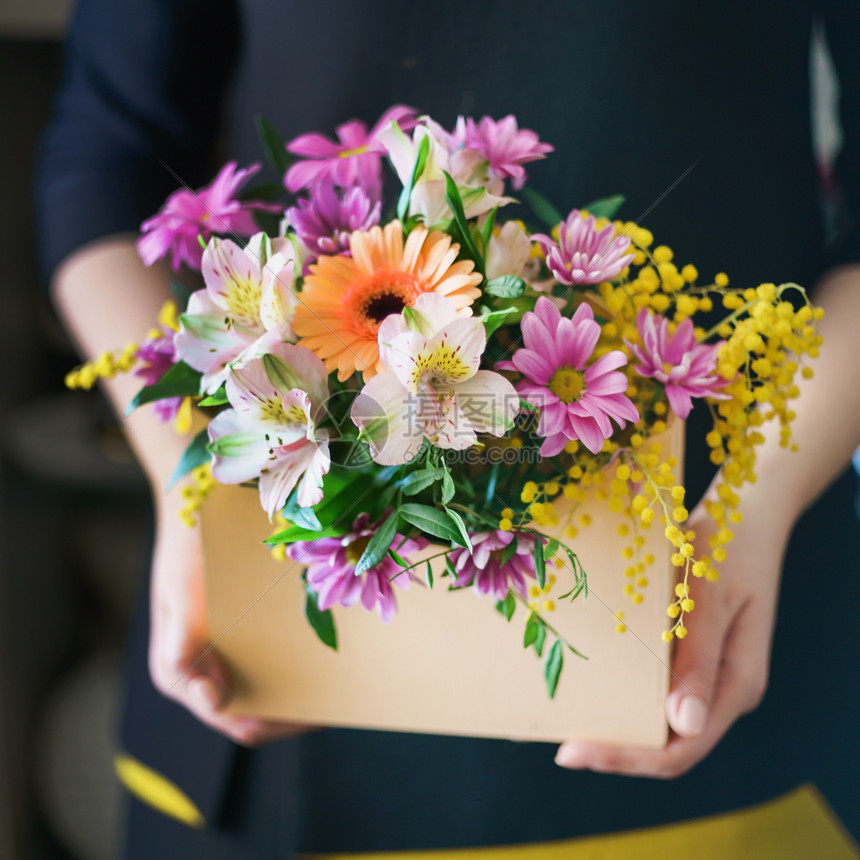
x: 432, y: 387
x: 467, y: 168
x: 249, y: 293
x: 270, y: 433
x: 508, y: 251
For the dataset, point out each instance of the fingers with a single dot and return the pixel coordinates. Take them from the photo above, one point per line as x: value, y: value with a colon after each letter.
x: 695, y: 667
x: 740, y: 683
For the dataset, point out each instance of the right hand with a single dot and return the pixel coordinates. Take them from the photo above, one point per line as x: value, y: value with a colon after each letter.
x: 182, y: 662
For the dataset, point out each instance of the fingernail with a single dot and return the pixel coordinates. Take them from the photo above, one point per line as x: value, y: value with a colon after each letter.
x: 692, y: 716
x: 206, y: 692
x: 568, y: 755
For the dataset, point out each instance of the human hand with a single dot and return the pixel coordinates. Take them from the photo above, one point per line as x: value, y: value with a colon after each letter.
x: 182, y: 662
x: 720, y: 668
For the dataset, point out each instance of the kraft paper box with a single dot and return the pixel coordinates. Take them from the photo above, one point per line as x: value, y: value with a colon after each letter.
x: 448, y: 663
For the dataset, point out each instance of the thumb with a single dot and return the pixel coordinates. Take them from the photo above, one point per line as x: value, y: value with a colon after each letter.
x: 696, y: 668
x: 206, y: 679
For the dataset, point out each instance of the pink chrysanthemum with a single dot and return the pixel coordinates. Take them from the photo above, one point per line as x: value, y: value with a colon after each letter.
x: 505, y: 146
x: 484, y: 568
x: 586, y: 255
x: 158, y: 356
x: 331, y: 572
x: 325, y: 221
x: 687, y: 369
x: 351, y: 160
x: 209, y: 211
x: 575, y: 399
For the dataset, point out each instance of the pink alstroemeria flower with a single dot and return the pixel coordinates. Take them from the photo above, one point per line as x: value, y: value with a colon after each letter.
x: 576, y: 399
x: 585, y: 255
x: 248, y: 294
x: 503, y: 144
x: 331, y: 572
x: 271, y: 433
x: 483, y: 568
x: 353, y: 159
x: 685, y: 368
x: 325, y: 221
x: 432, y: 388
x: 210, y: 210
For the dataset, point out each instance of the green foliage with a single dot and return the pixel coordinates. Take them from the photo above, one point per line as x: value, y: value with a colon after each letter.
x: 417, y: 170
x: 180, y: 381
x: 321, y: 621
x: 273, y: 145
x: 542, y: 208
x: 553, y: 666
x: 605, y: 207
x: 462, y: 233
x: 378, y: 545
x: 434, y: 522
x: 196, y: 454
x: 505, y: 287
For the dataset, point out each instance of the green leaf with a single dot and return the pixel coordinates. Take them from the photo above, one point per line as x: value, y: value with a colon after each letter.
x: 378, y: 545
x: 509, y: 605
x: 455, y: 202
x: 544, y: 210
x: 552, y: 668
x: 417, y: 481
x: 196, y: 454
x: 432, y: 521
x: 295, y: 534
x: 321, y: 621
x: 541, y: 638
x: 487, y: 230
x: 448, y: 489
x: 430, y: 575
x: 181, y: 293
x: 493, y: 319
x: 506, y: 287
x: 530, y: 634
x: 273, y: 145
x: 574, y: 651
x: 398, y: 559
x: 510, y: 551
x: 540, y: 564
x: 461, y: 528
x: 219, y: 398
x: 305, y: 518
x: 417, y: 170
x: 605, y: 207
x: 525, y: 406
x: 550, y: 548
x: 450, y: 569
x: 180, y: 381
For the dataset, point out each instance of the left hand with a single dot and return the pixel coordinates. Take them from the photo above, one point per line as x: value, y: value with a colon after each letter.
x: 720, y: 668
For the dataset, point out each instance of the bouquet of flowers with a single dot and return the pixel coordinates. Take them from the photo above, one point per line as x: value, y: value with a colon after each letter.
x: 448, y: 376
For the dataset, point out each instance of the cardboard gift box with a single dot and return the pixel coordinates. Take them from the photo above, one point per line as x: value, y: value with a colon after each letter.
x: 448, y: 663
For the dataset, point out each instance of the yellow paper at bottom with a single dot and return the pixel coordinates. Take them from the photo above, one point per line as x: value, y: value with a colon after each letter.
x: 448, y: 663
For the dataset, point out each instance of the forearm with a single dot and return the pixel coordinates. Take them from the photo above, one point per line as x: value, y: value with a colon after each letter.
x: 107, y: 298
x: 827, y: 424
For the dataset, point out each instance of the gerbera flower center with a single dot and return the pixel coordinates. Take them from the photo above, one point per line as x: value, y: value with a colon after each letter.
x: 374, y: 297
x: 355, y: 550
x: 567, y: 384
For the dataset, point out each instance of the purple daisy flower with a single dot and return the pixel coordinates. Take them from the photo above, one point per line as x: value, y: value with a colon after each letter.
x: 576, y: 399
x: 331, y: 572
x: 586, y: 255
x: 158, y: 356
x: 353, y: 159
x: 505, y: 146
x: 483, y: 568
x: 186, y: 215
x: 687, y: 369
x: 325, y: 221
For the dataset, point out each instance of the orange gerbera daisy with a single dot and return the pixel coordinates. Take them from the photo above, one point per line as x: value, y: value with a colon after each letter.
x: 344, y: 299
